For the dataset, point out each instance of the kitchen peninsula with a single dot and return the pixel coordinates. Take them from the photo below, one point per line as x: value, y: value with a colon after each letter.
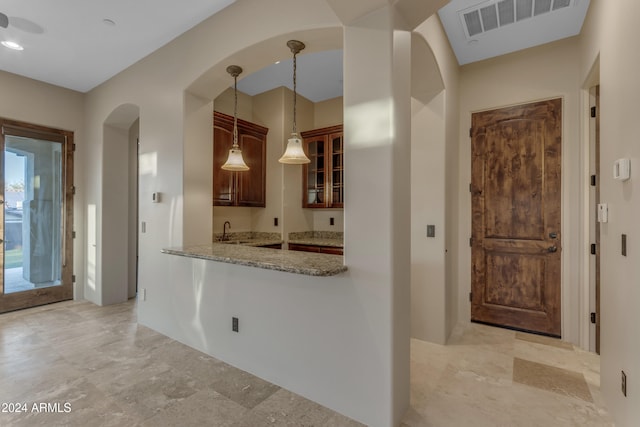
x: 310, y: 264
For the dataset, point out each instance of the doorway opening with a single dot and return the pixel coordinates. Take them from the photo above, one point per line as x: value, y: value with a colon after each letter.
x: 116, y: 277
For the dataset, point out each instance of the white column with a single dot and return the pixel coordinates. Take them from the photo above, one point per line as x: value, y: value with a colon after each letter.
x: 377, y: 198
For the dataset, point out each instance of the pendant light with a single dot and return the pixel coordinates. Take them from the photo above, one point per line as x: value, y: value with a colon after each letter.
x: 294, y: 154
x: 235, y: 162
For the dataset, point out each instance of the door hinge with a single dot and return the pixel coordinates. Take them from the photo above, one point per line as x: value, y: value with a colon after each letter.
x: 593, y: 180
x: 73, y: 147
x: 470, y: 296
x: 470, y: 188
x: 470, y: 132
x: 73, y: 190
x: 471, y: 241
x: 73, y: 278
x: 73, y: 234
x: 593, y: 318
x: 593, y: 111
x: 593, y: 249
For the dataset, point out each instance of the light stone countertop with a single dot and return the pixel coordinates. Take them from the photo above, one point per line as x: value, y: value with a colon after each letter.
x: 310, y: 264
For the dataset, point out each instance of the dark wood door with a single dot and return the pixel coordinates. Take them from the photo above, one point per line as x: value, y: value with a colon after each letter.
x: 516, y: 203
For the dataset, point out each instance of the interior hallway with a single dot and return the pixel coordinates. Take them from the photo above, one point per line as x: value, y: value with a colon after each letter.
x: 114, y: 372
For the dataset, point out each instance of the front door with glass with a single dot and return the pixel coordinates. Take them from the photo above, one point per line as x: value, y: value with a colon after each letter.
x: 36, y: 219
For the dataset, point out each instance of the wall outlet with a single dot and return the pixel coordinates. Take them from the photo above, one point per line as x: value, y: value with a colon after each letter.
x: 623, y: 384
x: 331, y: 221
x: 235, y: 327
x: 275, y: 222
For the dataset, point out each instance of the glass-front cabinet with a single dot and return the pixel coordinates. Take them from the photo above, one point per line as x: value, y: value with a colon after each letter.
x: 323, y: 179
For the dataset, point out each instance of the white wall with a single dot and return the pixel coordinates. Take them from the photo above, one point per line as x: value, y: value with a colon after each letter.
x: 609, y: 32
x: 434, y: 168
x: 39, y: 103
x: 544, y: 72
x: 368, y: 380
x: 115, y: 228
x: 428, y: 308
x: 198, y: 183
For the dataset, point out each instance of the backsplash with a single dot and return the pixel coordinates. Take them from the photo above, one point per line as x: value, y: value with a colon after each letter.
x: 301, y: 235
x: 246, y: 235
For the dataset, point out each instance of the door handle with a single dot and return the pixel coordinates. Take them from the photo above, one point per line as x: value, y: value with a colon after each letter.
x: 552, y: 249
x: 553, y: 235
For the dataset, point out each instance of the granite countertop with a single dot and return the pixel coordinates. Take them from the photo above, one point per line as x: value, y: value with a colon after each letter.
x: 318, y: 238
x: 311, y: 264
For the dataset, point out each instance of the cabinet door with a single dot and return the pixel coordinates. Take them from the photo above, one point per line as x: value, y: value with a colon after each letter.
x: 251, y: 183
x: 247, y: 188
x: 314, y: 179
x: 336, y: 177
x: 223, y: 181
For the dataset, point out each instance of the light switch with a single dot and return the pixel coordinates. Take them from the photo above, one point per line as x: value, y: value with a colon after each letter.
x: 431, y: 231
x: 603, y: 212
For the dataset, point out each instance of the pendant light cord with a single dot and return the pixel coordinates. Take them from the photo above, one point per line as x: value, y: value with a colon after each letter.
x: 294, y: 91
x: 235, y: 112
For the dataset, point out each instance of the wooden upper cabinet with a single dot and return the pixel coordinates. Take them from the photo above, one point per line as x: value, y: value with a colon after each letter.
x: 246, y: 188
x: 322, y: 179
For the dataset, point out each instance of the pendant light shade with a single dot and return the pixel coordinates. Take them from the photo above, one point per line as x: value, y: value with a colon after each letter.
x: 294, y: 153
x: 235, y: 162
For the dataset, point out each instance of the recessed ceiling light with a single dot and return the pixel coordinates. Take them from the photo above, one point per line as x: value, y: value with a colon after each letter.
x: 109, y: 22
x: 11, y: 45
x: 277, y: 62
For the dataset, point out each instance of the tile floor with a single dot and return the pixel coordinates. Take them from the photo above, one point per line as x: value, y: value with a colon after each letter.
x: 114, y: 372
x: 495, y: 377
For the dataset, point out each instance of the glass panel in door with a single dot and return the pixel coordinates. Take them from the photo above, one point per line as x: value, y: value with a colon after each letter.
x: 36, y: 219
x: 315, y: 179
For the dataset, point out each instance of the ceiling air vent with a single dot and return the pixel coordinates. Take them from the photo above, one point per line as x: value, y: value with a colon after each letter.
x: 493, y: 14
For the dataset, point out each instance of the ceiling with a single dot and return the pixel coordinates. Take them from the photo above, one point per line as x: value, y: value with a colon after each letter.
x: 481, y: 29
x: 117, y: 33
x: 68, y: 43
x: 318, y: 76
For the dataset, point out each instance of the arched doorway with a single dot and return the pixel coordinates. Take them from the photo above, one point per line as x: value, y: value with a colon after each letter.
x: 118, y: 222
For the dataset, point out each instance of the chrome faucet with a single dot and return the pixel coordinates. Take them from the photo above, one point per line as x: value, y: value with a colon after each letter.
x: 224, y: 231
